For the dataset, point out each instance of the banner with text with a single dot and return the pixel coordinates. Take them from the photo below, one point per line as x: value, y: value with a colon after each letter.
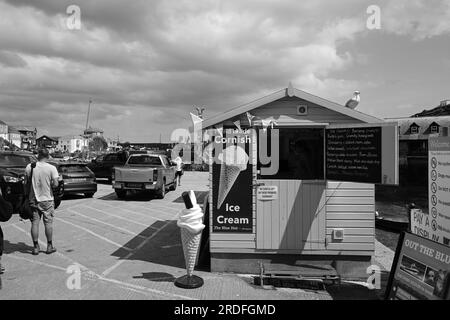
x: 232, y: 179
x: 439, y: 188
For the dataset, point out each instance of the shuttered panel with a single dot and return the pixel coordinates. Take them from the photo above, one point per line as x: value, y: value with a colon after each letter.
x: 296, y: 220
x: 351, y: 207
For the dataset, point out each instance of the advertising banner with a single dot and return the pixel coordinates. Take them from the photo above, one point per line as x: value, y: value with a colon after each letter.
x: 232, y: 180
x: 439, y: 188
x: 421, y: 270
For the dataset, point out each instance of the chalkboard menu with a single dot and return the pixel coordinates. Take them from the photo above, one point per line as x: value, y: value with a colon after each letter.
x: 354, y: 154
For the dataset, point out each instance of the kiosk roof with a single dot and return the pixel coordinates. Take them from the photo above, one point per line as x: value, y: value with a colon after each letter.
x: 290, y: 92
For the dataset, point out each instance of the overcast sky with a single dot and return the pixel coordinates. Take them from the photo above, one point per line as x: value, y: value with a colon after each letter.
x: 145, y: 63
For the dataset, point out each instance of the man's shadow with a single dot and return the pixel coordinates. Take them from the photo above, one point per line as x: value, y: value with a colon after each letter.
x: 21, y: 247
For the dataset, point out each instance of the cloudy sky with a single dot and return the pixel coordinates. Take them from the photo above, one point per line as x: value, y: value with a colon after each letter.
x: 145, y: 63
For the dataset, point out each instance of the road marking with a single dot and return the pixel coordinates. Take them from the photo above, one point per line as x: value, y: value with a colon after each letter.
x: 115, y: 216
x: 171, y: 246
x: 95, y: 234
x: 38, y: 262
x: 156, y: 211
x: 136, y: 213
x: 129, y: 255
x: 166, y: 207
x: 59, y: 253
x: 103, y: 278
x: 107, y: 224
x: 130, y: 285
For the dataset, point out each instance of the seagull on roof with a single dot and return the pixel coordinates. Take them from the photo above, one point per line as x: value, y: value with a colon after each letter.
x: 200, y: 112
x: 353, y: 102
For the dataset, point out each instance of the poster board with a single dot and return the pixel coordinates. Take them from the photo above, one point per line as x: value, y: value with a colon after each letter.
x: 232, y: 183
x: 365, y: 153
x: 424, y: 224
x: 439, y: 188
x: 420, y: 271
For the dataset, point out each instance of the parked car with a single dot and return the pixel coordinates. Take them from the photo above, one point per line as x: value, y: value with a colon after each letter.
x: 12, y: 176
x: 77, y: 178
x: 145, y: 172
x: 103, y: 165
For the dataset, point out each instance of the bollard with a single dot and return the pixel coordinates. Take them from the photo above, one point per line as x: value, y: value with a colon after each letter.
x: 410, y: 207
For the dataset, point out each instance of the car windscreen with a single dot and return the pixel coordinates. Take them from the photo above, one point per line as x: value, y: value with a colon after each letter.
x: 15, y: 160
x: 145, y: 160
x: 73, y: 169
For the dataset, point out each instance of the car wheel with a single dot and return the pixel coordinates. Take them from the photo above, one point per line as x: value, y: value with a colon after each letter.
x: 174, y: 185
x: 162, y: 191
x: 89, y: 194
x: 121, y: 193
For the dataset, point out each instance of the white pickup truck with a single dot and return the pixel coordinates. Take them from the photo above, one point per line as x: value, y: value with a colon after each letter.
x: 145, y: 172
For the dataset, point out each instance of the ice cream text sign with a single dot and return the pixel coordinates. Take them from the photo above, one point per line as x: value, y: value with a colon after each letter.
x: 232, y: 183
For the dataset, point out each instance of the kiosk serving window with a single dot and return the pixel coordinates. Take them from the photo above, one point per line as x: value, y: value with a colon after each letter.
x: 301, y: 153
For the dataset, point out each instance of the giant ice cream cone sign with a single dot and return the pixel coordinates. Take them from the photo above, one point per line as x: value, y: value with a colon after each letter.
x: 191, y: 225
x: 233, y: 160
x: 232, y: 180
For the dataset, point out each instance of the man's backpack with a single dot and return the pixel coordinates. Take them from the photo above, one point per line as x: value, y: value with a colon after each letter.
x: 25, y: 211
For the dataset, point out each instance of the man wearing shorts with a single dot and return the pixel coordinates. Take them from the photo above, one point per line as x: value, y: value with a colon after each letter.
x: 45, y: 176
x: 179, y: 169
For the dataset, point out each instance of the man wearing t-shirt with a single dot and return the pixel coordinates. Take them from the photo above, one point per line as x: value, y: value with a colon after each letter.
x: 178, y: 162
x: 45, y: 176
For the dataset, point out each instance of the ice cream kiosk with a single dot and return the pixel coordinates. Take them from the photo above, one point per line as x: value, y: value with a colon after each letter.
x: 292, y: 179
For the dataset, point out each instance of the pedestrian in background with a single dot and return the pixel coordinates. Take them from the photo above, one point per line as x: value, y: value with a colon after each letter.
x: 43, y: 177
x: 179, y: 170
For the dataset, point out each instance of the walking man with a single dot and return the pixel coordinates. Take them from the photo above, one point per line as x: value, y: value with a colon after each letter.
x: 179, y: 170
x: 44, y: 177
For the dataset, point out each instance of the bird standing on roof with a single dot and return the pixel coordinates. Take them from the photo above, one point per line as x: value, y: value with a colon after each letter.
x: 353, y: 102
x: 200, y: 112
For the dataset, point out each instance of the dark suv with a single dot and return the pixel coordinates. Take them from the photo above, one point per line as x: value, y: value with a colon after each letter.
x: 77, y: 178
x: 12, y: 176
x: 103, y: 166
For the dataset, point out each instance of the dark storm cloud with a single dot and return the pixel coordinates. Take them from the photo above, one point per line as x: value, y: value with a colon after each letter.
x: 146, y: 63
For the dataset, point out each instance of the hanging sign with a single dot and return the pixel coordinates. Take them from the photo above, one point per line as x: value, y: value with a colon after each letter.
x: 267, y: 193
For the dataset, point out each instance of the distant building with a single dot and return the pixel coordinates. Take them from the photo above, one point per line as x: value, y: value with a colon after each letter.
x: 28, y: 137
x: 3, y: 130
x: 112, y: 144
x: 442, y: 110
x: 51, y: 143
x: 413, y: 144
x: 14, y: 136
x: 92, y: 132
x: 72, y: 144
